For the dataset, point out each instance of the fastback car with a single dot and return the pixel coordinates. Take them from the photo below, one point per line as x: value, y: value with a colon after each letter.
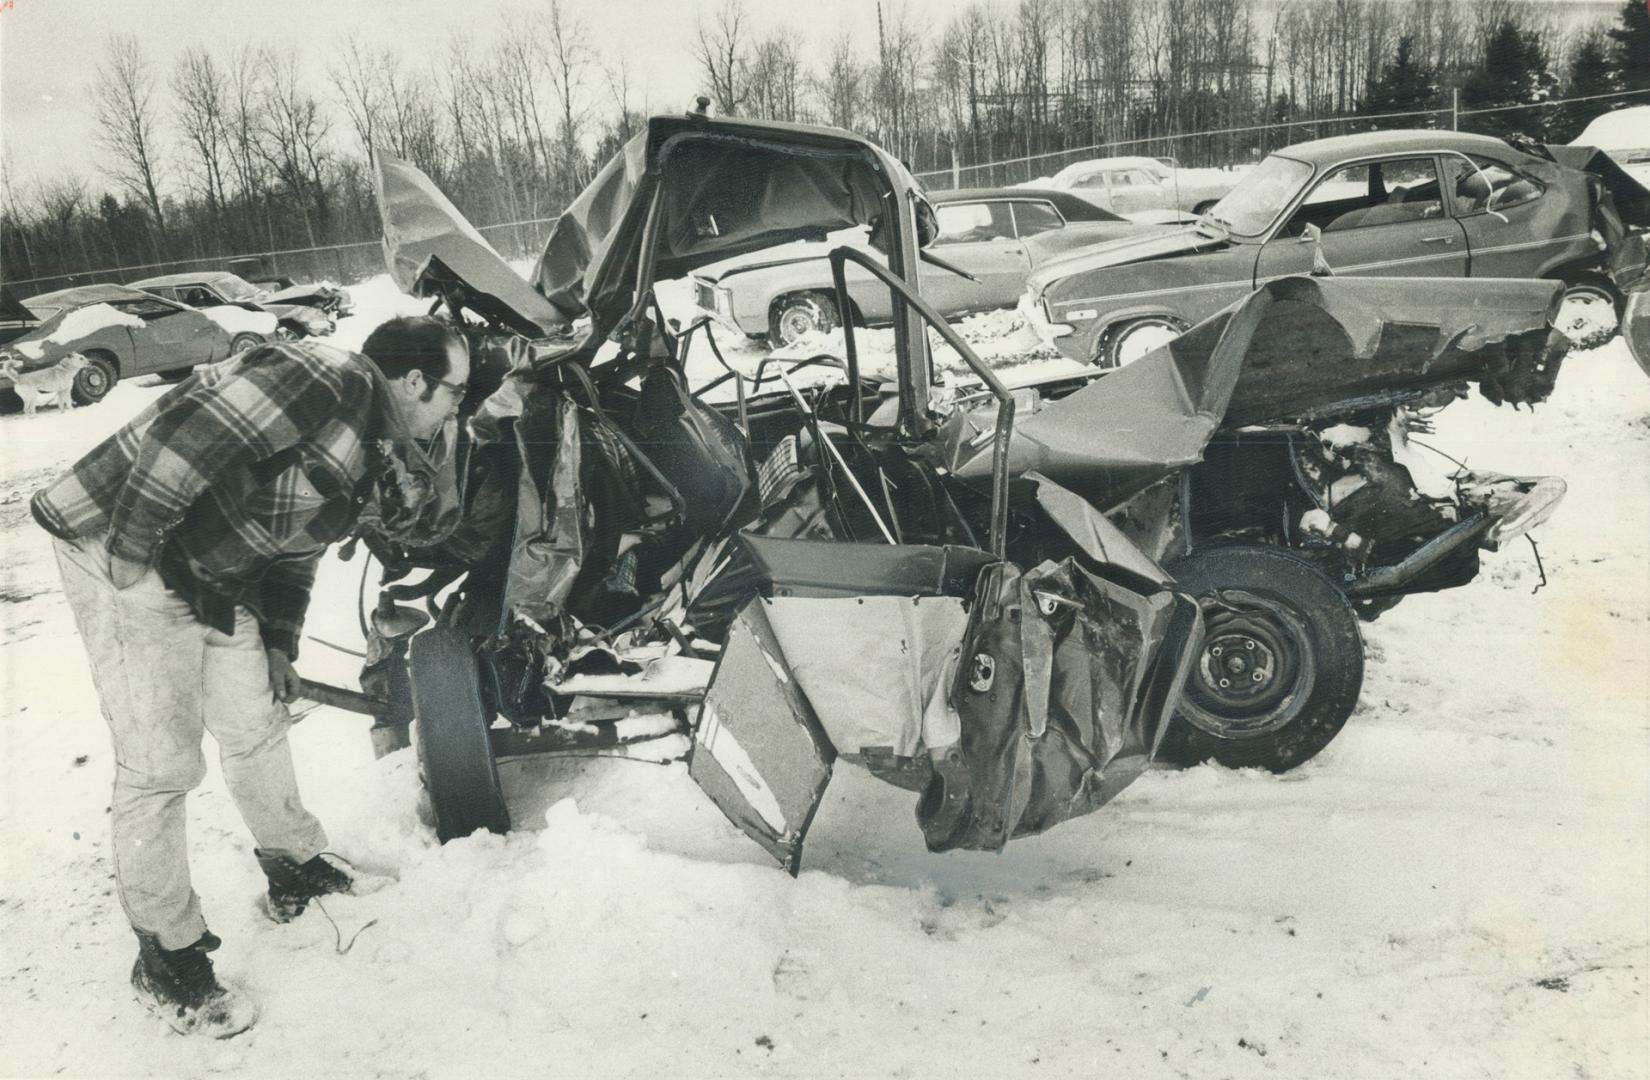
x: 1394, y: 204
x: 1136, y: 185
x: 218, y: 289
x: 994, y: 234
x: 122, y: 332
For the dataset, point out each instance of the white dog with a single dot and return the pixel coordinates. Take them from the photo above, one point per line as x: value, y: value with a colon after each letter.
x: 44, y: 384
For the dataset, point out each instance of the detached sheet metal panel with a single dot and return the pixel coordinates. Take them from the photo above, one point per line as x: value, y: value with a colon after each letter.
x: 759, y: 751
x: 875, y: 668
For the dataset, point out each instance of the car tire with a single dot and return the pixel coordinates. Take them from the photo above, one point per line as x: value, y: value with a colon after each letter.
x: 1280, y: 667
x: 244, y: 341
x: 792, y: 316
x: 450, y: 722
x: 1204, y: 207
x: 1127, y: 342
x: 1590, y: 313
x: 93, y: 382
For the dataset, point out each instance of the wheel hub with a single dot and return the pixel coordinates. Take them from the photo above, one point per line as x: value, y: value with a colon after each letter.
x: 1255, y: 670
x: 795, y: 322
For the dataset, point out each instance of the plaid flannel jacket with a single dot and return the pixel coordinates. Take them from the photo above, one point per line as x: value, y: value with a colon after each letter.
x: 233, y: 483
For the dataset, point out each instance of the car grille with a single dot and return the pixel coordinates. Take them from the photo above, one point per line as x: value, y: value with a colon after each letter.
x: 704, y: 295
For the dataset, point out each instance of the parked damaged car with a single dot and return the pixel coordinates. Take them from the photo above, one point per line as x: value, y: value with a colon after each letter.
x: 122, y: 333
x: 1439, y: 204
x: 994, y: 236
x: 1011, y: 601
x: 327, y: 296
x: 216, y: 290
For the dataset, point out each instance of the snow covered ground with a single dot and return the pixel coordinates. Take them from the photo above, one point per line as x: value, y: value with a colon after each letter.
x: 1456, y: 887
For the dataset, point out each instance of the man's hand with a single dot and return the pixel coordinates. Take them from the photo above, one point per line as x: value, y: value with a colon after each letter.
x: 124, y: 572
x: 283, y: 677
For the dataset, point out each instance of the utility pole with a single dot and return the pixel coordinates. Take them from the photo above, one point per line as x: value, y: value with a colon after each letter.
x: 1455, y: 108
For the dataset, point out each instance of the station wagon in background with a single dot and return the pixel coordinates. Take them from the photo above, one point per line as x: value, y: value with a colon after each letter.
x: 1144, y: 185
x: 1398, y: 203
x: 219, y: 288
x: 994, y: 234
x: 122, y: 332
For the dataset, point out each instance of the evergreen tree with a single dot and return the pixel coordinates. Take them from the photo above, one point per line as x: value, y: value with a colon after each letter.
x: 1403, y: 86
x: 1514, y: 72
x: 1590, y: 73
x: 1631, y: 60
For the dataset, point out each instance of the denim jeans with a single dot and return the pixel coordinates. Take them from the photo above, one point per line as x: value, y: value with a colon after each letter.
x: 163, y: 677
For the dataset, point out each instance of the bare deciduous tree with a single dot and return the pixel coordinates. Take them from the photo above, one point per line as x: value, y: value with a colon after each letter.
x: 200, y: 91
x: 123, y: 99
x: 720, y: 50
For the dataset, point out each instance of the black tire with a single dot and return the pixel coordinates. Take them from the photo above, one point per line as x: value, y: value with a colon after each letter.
x: 1285, y: 640
x: 455, y: 754
x: 244, y: 341
x: 1204, y: 207
x: 792, y: 316
x: 1590, y: 313
x: 93, y: 382
x: 1118, y: 344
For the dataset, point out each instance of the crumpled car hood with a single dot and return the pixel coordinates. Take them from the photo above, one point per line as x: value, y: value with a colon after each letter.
x: 1298, y: 347
x: 1155, y: 244
x: 429, y: 247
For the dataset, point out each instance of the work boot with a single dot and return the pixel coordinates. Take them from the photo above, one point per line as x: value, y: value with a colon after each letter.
x: 292, y: 884
x: 179, y: 986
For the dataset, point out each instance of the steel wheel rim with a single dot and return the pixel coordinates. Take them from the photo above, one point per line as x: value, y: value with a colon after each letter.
x: 796, y: 320
x: 1258, y: 646
x: 94, y: 380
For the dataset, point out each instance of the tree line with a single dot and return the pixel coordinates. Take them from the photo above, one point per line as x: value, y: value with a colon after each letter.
x: 245, y: 148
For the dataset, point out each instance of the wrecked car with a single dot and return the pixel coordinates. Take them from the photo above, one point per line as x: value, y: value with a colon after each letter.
x: 1010, y: 601
x: 994, y: 236
x: 1439, y: 204
x: 122, y: 332
x: 216, y: 290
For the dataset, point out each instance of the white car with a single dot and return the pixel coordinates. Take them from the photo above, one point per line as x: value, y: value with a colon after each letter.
x: 1133, y: 185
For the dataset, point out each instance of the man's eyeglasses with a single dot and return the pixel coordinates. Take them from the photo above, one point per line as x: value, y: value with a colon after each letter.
x: 458, y: 389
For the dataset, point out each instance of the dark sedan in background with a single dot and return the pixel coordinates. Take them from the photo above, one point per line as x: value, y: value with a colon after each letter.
x: 1395, y: 203
x: 995, y: 234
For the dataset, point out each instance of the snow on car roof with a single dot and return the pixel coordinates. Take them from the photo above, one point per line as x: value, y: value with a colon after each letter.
x: 184, y: 279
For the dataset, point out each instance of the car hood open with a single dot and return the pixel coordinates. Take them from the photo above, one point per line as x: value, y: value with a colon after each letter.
x: 723, y: 188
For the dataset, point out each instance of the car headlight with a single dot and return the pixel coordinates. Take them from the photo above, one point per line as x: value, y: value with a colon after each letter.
x: 1034, y: 310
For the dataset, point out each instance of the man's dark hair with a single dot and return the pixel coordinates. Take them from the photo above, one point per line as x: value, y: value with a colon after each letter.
x: 411, y: 341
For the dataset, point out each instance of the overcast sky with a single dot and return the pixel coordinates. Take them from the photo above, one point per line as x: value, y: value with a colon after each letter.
x: 49, y: 48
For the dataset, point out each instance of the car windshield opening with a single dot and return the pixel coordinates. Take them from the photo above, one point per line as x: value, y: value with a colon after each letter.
x: 1250, y: 208
x: 238, y: 289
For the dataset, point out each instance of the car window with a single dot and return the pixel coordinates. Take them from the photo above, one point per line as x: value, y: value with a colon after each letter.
x: 1095, y: 179
x: 196, y: 296
x: 1031, y: 218
x: 1369, y: 194
x: 147, y: 310
x: 1256, y: 201
x: 1140, y: 178
x: 1474, y: 187
x: 969, y: 223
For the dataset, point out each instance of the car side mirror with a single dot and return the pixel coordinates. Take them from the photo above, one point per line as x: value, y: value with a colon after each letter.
x: 1310, y: 235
